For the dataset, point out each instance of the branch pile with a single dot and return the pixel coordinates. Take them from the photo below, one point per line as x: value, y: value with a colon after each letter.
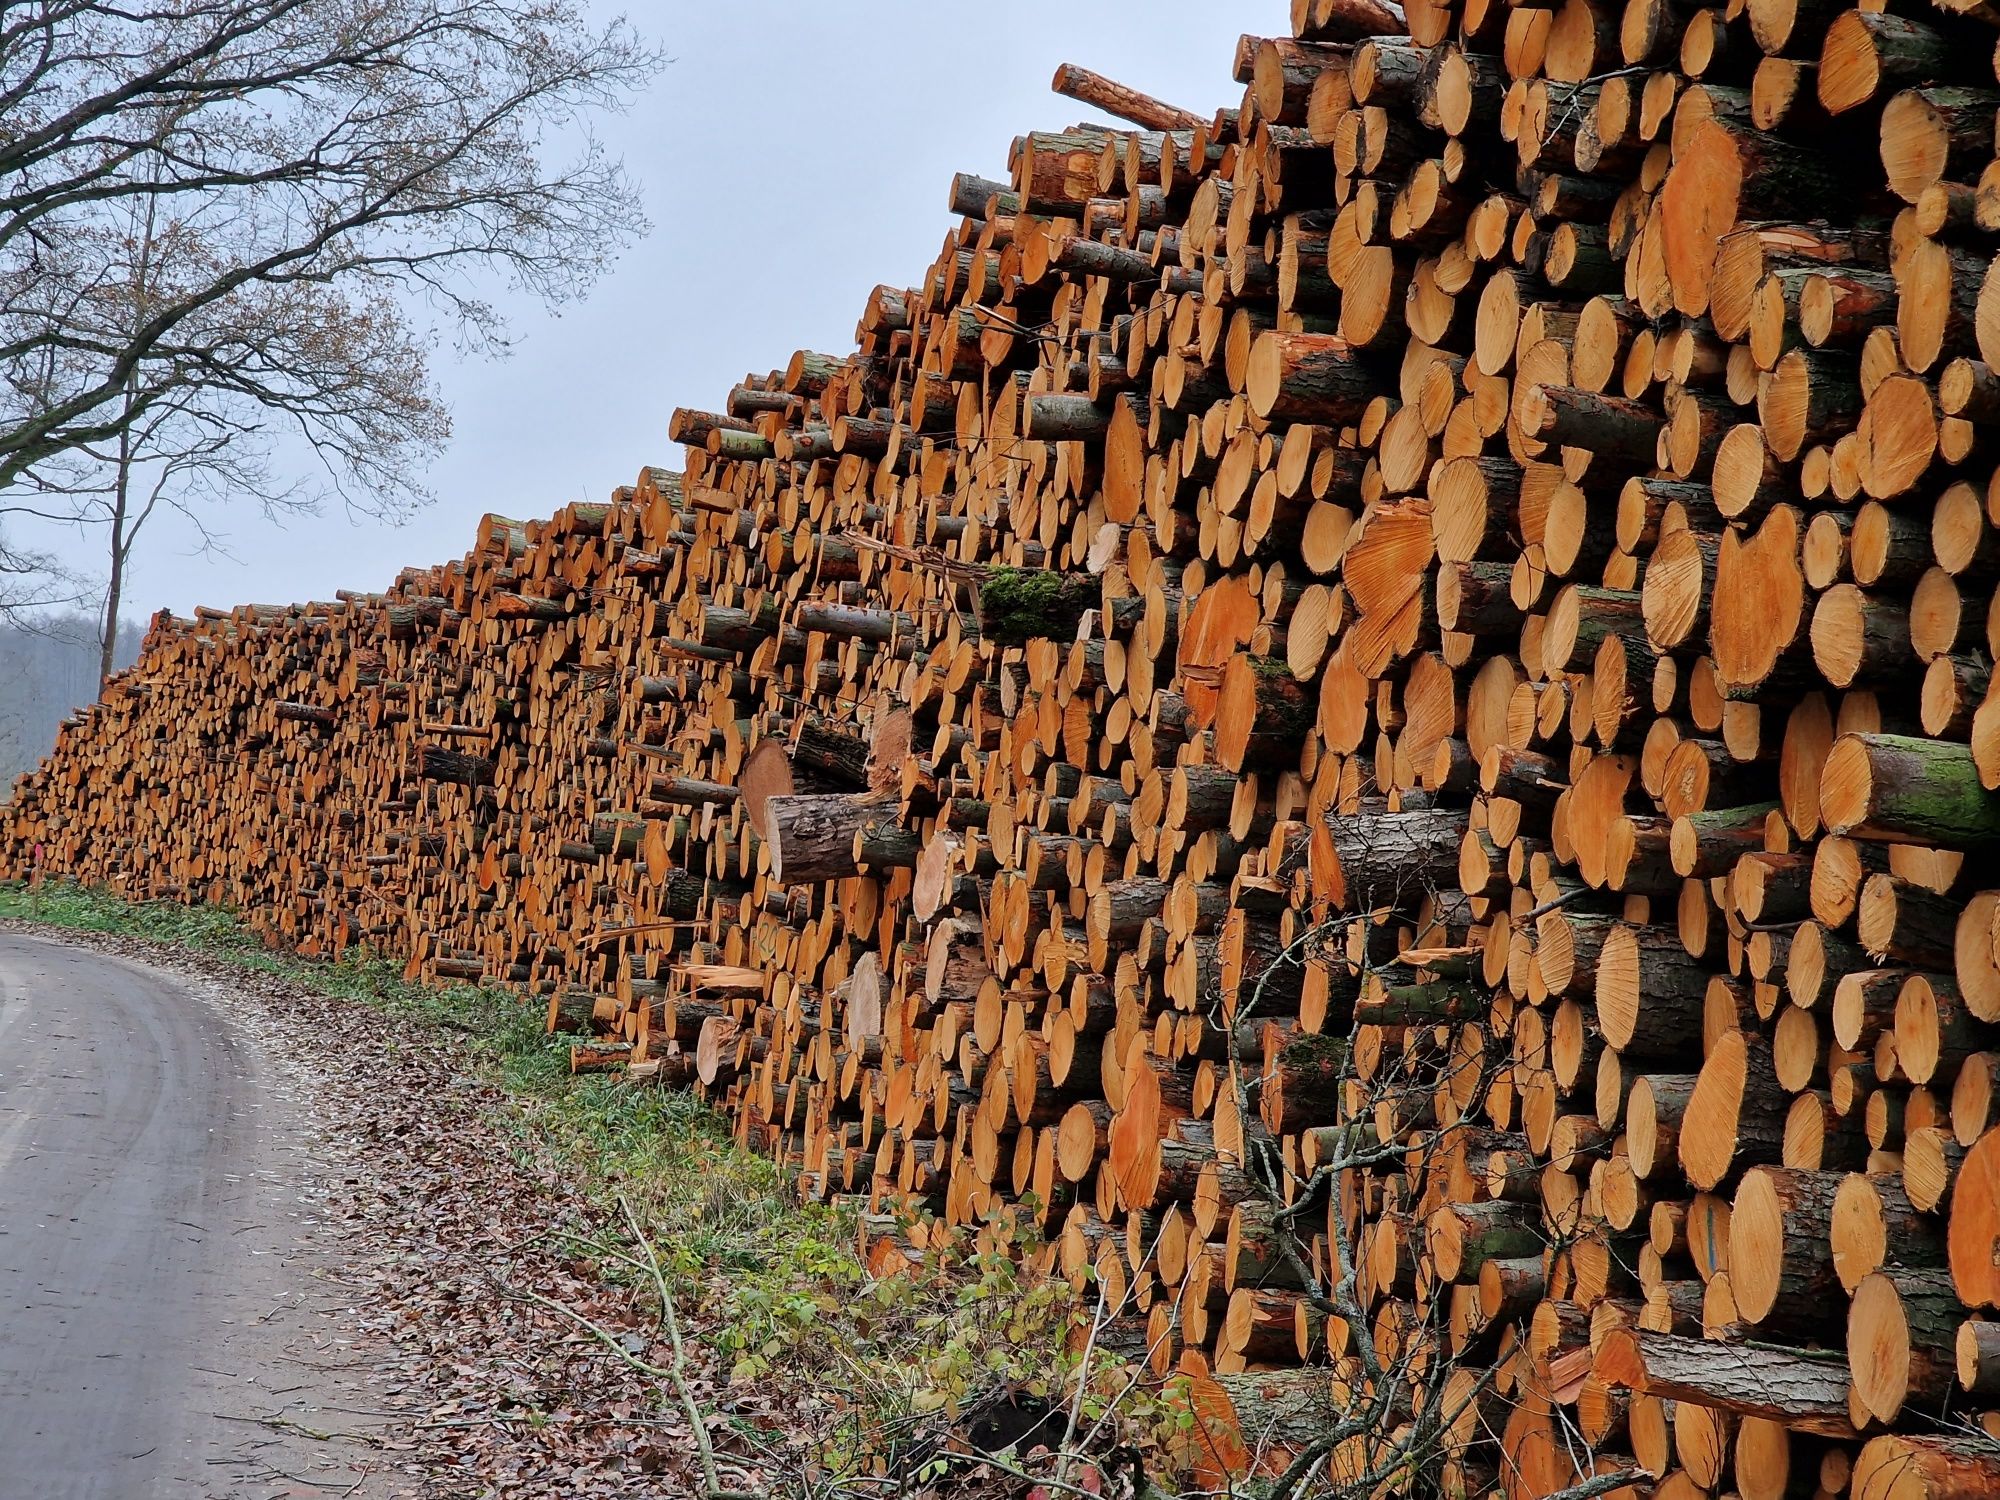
x: 1439, y: 621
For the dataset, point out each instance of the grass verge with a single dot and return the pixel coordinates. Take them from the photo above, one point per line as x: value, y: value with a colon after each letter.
x: 779, y: 1296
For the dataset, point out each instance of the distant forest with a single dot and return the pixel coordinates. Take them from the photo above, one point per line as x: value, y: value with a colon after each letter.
x: 48, y: 669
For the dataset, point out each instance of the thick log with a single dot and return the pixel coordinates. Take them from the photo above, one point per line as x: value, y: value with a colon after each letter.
x: 829, y: 837
x: 1018, y: 605
x: 1308, y: 377
x: 1926, y: 1468
x: 1804, y: 1391
x: 460, y: 767
x: 1906, y: 790
x: 1102, y: 93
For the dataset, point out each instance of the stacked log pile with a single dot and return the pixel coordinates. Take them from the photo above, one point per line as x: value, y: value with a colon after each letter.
x: 1437, y: 623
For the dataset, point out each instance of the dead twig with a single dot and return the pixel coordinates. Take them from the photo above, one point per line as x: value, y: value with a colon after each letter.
x: 286, y: 1424
x: 677, y: 1372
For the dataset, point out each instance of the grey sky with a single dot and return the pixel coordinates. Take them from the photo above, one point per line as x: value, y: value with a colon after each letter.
x: 793, y: 156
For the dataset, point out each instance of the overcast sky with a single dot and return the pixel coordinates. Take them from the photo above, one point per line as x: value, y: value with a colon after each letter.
x: 792, y: 156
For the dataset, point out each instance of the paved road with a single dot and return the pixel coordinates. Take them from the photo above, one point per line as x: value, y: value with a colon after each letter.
x: 160, y: 1320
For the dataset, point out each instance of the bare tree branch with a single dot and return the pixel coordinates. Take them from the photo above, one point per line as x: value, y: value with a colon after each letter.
x: 315, y: 182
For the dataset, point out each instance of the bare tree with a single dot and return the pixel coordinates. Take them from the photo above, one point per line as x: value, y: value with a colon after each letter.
x: 221, y: 215
x: 31, y: 580
x: 14, y: 752
x: 48, y: 668
x: 196, y: 445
